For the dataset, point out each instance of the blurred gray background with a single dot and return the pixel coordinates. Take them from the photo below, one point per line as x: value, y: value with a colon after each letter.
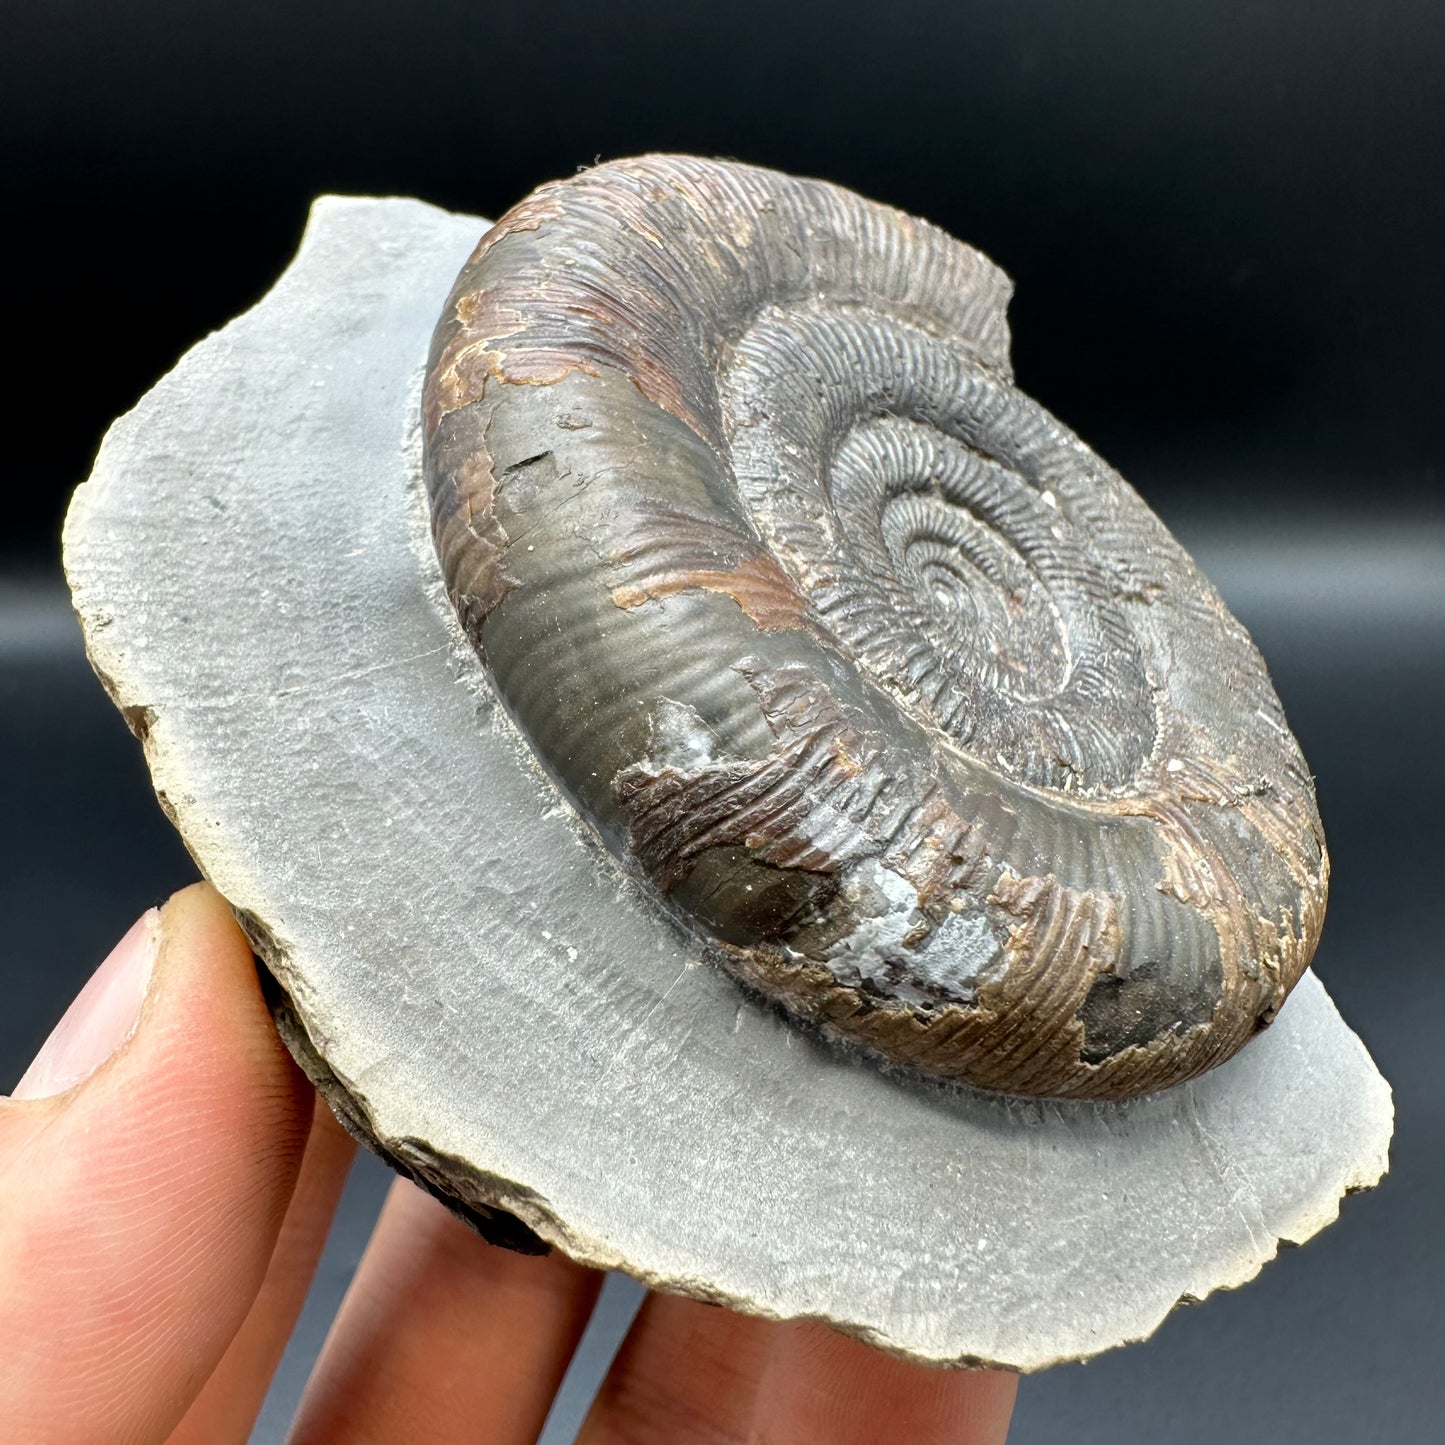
x: 1226, y: 222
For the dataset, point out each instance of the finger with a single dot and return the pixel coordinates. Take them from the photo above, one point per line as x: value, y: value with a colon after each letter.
x: 228, y: 1404
x: 686, y: 1372
x: 822, y: 1386
x: 141, y: 1193
x: 692, y: 1372
x: 443, y: 1337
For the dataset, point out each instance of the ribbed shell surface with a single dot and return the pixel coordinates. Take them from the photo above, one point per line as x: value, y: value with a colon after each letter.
x: 900, y: 697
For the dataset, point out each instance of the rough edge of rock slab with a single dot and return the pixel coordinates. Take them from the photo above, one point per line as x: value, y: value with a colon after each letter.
x: 493, y: 1005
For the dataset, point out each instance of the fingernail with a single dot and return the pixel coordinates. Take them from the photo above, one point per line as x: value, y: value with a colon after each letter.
x: 102, y: 1017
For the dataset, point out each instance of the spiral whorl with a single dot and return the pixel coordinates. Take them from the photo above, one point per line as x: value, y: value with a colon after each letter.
x: 896, y: 692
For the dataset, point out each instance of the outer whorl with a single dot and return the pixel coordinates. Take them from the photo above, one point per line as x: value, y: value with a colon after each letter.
x: 897, y: 693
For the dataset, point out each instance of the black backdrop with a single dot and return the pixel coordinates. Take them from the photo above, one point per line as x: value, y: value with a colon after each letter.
x: 1225, y: 219
x: 1226, y: 222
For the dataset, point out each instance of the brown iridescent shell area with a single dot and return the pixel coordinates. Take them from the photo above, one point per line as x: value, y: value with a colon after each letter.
x: 896, y: 694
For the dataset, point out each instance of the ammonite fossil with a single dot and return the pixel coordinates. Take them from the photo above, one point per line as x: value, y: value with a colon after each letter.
x: 895, y: 692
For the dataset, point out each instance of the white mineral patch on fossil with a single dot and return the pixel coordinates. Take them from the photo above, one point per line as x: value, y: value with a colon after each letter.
x: 498, y: 1003
x: 957, y: 954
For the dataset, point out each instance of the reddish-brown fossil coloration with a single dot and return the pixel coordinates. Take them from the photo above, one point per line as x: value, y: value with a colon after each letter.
x: 896, y: 693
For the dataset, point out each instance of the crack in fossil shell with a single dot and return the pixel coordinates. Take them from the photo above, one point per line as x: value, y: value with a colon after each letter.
x: 895, y: 692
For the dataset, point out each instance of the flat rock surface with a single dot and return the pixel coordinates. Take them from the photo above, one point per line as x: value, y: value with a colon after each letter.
x: 500, y: 1004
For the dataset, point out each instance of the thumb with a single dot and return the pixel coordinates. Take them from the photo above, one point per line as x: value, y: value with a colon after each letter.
x: 146, y: 1161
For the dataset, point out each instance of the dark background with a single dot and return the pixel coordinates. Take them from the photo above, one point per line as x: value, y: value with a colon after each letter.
x: 1227, y: 224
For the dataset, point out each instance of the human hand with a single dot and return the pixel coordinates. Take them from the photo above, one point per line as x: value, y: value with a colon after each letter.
x: 167, y: 1178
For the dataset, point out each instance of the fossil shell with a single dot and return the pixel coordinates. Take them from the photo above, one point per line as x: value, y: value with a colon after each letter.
x: 897, y: 692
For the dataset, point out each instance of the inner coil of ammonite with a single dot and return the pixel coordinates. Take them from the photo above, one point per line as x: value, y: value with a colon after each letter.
x: 893, y: 691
